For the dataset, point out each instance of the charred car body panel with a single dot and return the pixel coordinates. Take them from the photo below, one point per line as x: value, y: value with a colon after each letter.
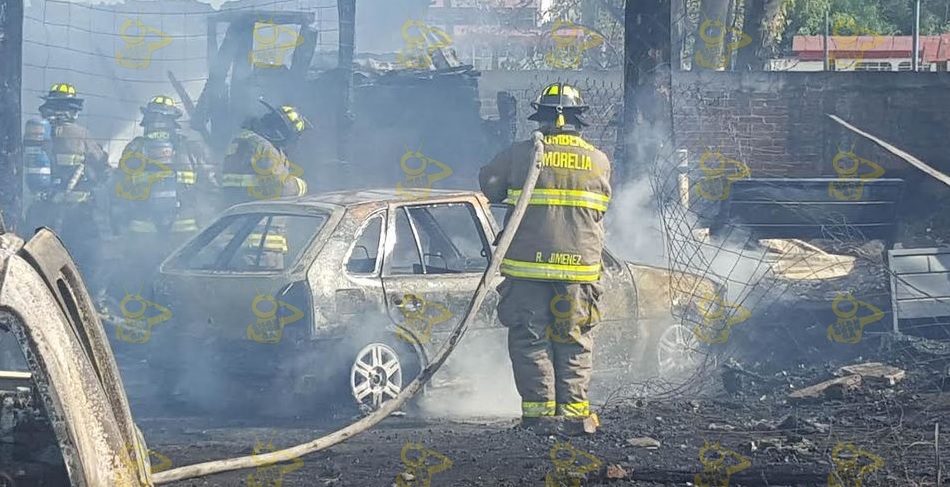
x: 76, y: 391
x: 376, y: 253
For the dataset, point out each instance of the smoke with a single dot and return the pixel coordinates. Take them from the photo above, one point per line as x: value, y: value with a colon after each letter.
x: 476, y: 380
x: 634, y: 229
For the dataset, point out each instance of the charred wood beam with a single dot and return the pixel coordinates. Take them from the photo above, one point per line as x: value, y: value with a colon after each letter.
x: 303, y: 54
x: 11, y: 75
x: 913, y: 161
x: 647, y: 128
x: 212, y: 99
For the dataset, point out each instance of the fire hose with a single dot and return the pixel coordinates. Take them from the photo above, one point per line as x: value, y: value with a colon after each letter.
x: 387, y: 408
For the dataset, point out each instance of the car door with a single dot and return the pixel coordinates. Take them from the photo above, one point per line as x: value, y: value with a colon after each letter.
x: 46, y: 309
x: 435, y: 256
x: 211, y: 284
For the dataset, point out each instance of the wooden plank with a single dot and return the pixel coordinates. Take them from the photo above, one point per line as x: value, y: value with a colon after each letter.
x: 922, y: 308
x: 818, y: 213
x: 939, y: 176
x: 858, y: 231
x: 807, y: 190
x: 914, y: 286
x: 910, y: 264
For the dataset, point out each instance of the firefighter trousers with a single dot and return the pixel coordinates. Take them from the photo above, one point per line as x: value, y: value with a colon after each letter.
x: 550, y: 344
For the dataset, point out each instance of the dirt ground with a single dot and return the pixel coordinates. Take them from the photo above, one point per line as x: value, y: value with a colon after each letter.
x: 752, y: 435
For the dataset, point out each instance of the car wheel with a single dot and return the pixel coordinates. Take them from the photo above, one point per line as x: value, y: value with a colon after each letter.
x: 378, y: 373
x: 678, y: 352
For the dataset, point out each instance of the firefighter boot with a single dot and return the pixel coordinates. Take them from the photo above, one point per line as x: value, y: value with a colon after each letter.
x: 579, y: 427
x: 544, y: 425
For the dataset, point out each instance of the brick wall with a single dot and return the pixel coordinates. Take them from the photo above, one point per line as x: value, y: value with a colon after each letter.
x: 775, y: 122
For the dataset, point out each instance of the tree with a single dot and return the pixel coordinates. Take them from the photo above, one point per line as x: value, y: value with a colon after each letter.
x: 884, y: 17
x: 646, y: 133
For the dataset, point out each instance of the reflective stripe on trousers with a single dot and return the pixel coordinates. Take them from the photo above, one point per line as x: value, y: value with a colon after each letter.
x: 551, y: 272
x: 562, y: 197
x: 537, y: 409
x: 273, y: 243
x: 186, y: 177
x: 574, y: 409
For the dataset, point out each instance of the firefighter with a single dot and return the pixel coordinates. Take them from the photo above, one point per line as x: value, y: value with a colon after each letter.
x: 256, y: 167
x: 64, y: 169
x: 157, y: 185
x: 555, y: 258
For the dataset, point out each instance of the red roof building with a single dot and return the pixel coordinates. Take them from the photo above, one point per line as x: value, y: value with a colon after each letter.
x: 866, y: 53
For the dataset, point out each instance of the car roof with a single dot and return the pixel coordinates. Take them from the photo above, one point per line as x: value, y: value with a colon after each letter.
x: 351, y: 198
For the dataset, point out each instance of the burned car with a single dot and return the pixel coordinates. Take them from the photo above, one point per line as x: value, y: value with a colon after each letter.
x: 64, y: 417
x: 370, y: 283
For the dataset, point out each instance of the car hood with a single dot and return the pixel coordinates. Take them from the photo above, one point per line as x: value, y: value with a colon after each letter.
x: 45, y: 305
x: 659, y: 288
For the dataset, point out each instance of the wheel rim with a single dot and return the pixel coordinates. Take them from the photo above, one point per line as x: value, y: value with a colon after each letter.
x: 376, y: 376
x: 678, y: 351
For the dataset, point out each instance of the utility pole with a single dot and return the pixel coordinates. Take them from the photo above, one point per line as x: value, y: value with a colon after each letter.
x: 824, y: 43
x: 645, y: 136
x: 11, y: 74
x: 346, y: 11
x: 914, y: 63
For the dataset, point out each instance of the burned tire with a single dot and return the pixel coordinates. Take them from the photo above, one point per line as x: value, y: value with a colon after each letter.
x: 678, y: 353
x: 379, y: 371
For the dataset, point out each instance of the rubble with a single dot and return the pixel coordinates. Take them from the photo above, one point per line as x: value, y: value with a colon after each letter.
x: 644, y: 442
x: 616, y: 472
x: 875, y: 371
x: 834, y: 388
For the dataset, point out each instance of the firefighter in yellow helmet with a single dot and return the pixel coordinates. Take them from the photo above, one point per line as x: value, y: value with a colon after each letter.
x: 256, y: 167
x: 552, y: 269
x: 157, y: 184
x: 77, y: 167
